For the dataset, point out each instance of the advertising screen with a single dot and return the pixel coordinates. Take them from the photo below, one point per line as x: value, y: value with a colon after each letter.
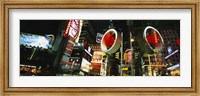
x: 34, y: 40
x: 85, y: 65
x: 69, y: 48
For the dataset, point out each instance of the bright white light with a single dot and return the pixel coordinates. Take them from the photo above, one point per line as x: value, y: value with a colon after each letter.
x: 132, y: 40
x: 171, y: 54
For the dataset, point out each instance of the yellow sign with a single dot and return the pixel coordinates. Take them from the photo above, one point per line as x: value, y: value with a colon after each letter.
x: 126, y: 68
x: 117, y: 55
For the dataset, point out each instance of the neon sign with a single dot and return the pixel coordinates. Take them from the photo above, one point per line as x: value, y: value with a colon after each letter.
x: 72, y: 29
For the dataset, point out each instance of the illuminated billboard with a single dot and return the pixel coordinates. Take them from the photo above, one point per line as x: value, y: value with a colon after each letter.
x: 85, y: 65
x: 34, y: 40
x: 73, y: 30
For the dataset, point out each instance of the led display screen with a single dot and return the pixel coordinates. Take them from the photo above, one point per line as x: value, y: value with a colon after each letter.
x: 34, y: 40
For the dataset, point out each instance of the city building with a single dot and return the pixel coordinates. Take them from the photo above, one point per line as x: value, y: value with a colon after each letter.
x: 74, y: 47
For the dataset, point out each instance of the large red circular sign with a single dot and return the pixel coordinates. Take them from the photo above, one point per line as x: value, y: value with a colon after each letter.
x: 153, y: 38
x: 111, y: 41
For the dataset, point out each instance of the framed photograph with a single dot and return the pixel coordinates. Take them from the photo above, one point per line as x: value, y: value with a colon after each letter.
x: 100, y: 47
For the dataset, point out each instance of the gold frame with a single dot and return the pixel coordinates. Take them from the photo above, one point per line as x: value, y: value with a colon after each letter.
x: 191, y: 4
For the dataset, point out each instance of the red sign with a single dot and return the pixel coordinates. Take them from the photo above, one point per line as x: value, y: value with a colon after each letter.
x: 153, y: 38
x: 111, y: 41
x: 72, y: 29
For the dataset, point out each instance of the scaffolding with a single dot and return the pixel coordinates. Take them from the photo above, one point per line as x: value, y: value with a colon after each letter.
x: 152, y: 65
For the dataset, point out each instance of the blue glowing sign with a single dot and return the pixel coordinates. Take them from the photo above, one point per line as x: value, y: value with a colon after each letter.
x: 99, y: 37
x: 169, y: 49
x: 34, y: 40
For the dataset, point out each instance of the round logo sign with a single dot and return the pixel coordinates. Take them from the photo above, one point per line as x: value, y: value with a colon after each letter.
x: 110, y: 41
x: 153, y: 38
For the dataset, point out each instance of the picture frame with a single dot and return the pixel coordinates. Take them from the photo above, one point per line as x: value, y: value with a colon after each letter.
x: 99, y: 4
